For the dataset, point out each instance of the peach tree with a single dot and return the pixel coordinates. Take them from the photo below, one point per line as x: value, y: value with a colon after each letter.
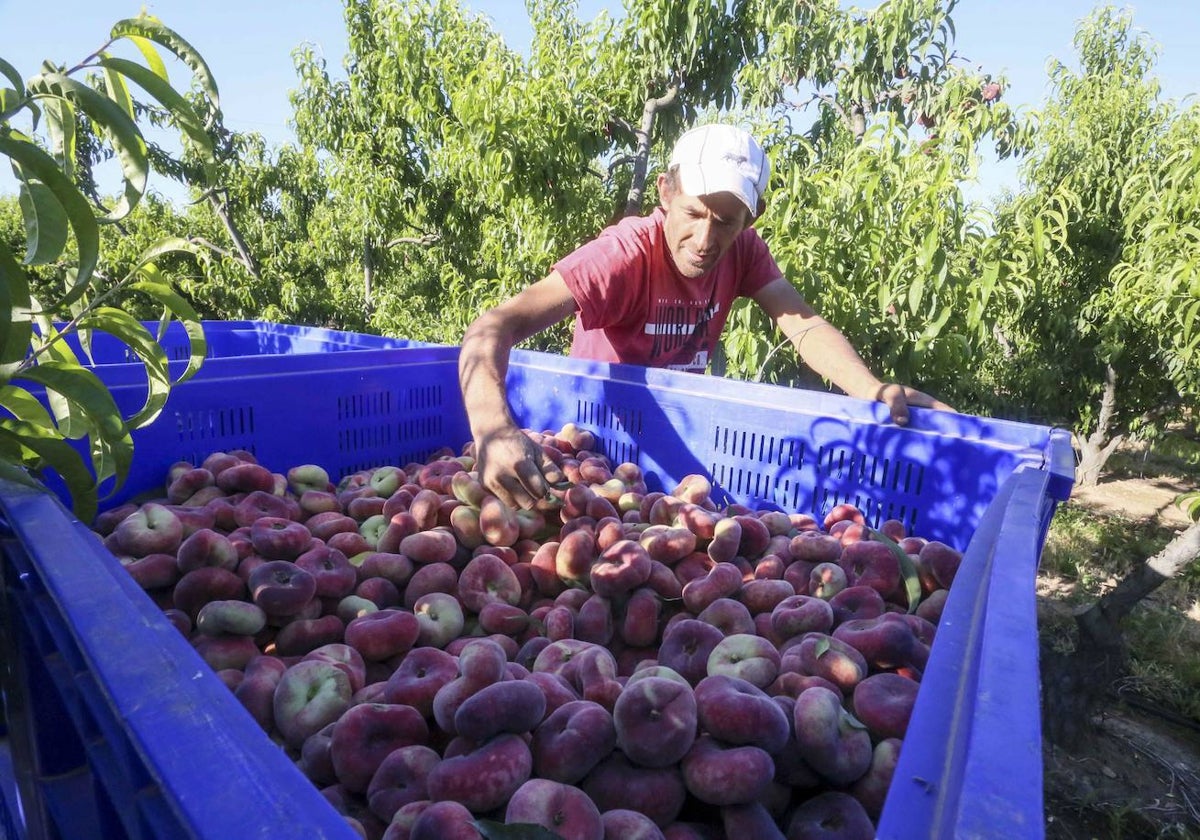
x: 1105, y: 332
x: 462, y: 167
x: 1102, y: 332
x: 869, y: 217
x: 57, y: 414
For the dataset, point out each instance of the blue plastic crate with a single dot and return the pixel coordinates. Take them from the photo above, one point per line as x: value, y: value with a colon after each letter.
x: 972, y: 758
x: 235, y: 339
x: 118, y: 728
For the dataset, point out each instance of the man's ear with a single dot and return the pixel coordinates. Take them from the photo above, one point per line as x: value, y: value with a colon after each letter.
x: 664, y: 190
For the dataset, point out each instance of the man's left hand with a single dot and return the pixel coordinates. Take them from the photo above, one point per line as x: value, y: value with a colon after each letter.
x: 899, y: 397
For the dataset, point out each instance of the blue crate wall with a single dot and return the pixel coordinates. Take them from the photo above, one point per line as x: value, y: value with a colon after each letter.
x: 394, y: 407
x: 762, y: 445
x: 977, y: 771
x: 118, y: 727
x: 772, y: 447
x: 232, y: 339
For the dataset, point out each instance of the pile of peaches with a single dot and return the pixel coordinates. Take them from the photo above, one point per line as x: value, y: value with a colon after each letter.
x: 615, y: 663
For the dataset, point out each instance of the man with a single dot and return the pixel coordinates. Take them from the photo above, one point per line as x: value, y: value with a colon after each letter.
x: 656, y: 291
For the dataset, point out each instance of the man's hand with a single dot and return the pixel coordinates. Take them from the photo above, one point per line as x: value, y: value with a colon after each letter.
x: 899, y: 397
x: 514, y: 468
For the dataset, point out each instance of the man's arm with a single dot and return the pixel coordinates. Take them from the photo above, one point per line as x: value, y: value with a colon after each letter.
x: 510, y: 464
x: 822, y: 347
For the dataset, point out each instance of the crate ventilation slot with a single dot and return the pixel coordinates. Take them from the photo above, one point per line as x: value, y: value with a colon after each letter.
x: 423, y: 398
x: 757, y: 465
x: 371, y: 404
x: 759, y: 447
x: 755, y: 484
x: 605, y: 419
x: 423, y: 430
x: 215, y: 424
x: 869, y: 471
x: 423, y: 426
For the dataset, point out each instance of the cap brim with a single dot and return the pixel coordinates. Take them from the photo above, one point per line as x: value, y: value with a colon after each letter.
x: 693, y: 180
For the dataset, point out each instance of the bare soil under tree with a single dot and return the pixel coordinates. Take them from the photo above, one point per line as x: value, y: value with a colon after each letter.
x: 1135, y: 772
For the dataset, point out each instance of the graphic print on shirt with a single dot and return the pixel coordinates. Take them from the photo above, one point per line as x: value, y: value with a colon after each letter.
x: 679, y: 324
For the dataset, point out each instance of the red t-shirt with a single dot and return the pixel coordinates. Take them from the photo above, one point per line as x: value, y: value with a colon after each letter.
x: 634, y: 305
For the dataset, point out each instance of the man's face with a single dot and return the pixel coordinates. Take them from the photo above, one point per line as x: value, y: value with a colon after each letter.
x: 700, y: 229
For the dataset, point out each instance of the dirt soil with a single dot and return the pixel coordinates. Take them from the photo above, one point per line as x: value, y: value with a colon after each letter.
x: 1136, y: 498
x: 1139, y: 774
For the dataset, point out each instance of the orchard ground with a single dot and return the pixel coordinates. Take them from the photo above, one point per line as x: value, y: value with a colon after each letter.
x: 1139, y: 774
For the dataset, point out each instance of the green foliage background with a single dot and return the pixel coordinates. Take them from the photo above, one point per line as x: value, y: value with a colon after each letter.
x: 438, y: 171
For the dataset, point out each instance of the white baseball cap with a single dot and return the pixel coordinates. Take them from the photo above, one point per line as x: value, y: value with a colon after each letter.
x: 722, y: 158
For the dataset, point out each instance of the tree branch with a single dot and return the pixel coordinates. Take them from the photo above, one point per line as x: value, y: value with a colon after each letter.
x: 222, y: 210
x: 368, y: 272
x: 200, y: 240
x: 641, y: 162
x: 424, y: 240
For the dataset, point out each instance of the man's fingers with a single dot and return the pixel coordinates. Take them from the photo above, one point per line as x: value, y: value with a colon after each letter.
x: 515, y: 494
x: 496, y: 486
x: 551, y: 471
x: 892, y: 396
x: 532, y: 483
x: 920, y: 398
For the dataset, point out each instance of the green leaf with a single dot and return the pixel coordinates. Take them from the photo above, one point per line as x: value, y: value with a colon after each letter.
x: 87, y: 233
x: 11, y: 469
x: 1190, y: 503
x: 12, y: 75
x: 16, y: 322
x: 1189, y: 318
x: 151, y: 29
x: 11, y: 102
x: 821, y: 647
x: 52, y: 343
x: 120, y: 130
x: 84, y: 390
x: 46, y: 225
x: 152, y: 284
x: 25, y: 406
x: 917, y: 290
x: 153, y: 59
x: 52, y: 452
x: 181, y: 110
x: 91, y: 410
x: 908, y: 572
x: 933, y: 329
x: 60, y: 125
x: 118, y: 91
x: 130, y: 331
x: 492, y: 830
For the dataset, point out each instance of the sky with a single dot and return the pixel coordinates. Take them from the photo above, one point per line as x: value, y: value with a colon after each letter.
x: 248, y: 46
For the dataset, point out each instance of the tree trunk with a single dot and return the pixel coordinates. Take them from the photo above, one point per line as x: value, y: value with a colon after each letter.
x: 641, y: 161
x: 368, y: 273
x: 1144, y: 579
x: 1073, y: 684
x: 1095, y: 449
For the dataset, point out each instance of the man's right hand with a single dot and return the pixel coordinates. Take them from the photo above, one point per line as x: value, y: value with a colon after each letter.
x: 515, y: 468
